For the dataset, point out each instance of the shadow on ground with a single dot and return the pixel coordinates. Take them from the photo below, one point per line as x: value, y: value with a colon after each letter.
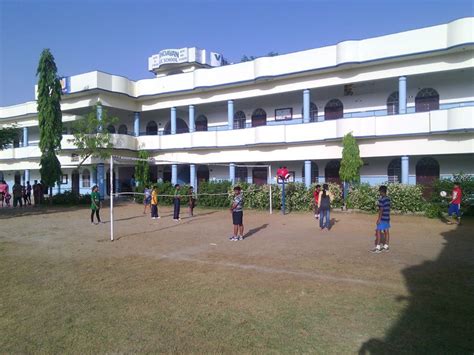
x: 253, y: 231
x: 439, y: 316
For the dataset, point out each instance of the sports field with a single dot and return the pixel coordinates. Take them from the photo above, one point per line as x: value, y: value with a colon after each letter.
x: 171, y: 287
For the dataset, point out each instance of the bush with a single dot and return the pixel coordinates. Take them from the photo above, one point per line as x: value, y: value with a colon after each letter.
x: 70, y: 198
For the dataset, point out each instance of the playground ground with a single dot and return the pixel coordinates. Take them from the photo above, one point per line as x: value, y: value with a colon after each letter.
x: 182, y: 287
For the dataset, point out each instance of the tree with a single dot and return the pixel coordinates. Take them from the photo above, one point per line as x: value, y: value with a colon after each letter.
x: 49, y: 119
x: 246, y: 58
x: 91, y: 141
x: 142, y: 169
x: 351, y: 162
x: 8, y: 136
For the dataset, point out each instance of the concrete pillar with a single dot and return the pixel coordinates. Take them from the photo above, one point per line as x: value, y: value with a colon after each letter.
x: 101, y: 179
x: 405, y: 168
x: 99, y: 118
x: 173, y: 120
x: 136, y: 123
x: 230, y: 114
x: 192, y: 176
x: 402, y: 95
x: 307, y: 173
x: 174, y: 174
x: 25, y: 137
x: 232, y: 173
x: 306, y: 105
x: 192, y: 125
x: 27, y: 175
x: 249, y: 175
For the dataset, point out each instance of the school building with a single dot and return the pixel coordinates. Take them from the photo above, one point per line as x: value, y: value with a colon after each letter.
x: 407, y: 97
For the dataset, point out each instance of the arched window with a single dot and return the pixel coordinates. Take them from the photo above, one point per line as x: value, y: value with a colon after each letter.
x: 201, y: 123
x: 259, y: 118
x: 426, y: 100
x: 239, y: 120
x: 394, y: 171
x: 151, y: 128
x: 314, y: 172
x: 241, y: 174
x: 427, y: 172
x: 181, y: 127
x: 202, y: 173
x: 331, y: 171
x: 122, y: 129
x: 392, y: 104
x: 86, y: 178
x: 313, y: 112
x: 111, y: 128
x: 333, y: 110
x: 75, y: 182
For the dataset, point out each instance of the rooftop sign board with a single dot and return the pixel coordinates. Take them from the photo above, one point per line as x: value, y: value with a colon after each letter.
x: 184, y: 55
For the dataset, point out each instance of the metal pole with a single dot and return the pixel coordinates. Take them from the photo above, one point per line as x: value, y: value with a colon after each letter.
x: 111, y: 194
x: 270, y: 185
x: 283, y: 197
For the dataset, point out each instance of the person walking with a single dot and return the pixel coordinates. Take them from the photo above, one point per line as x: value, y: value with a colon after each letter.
x: 324, y: 204
x: 95, y: 204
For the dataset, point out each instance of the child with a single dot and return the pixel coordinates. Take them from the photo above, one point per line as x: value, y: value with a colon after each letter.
x: 95, y: 204
x: 191, y: 201
x: 154, y: 203
x: 237, y: 215
x: 383, y: 221
x: 8, y: 197
x: 176, y: 203
x: 146, y: 199
x: 28, y: 193
x: 455, y: 204
x: 324, y: 204
x: 316, y: 201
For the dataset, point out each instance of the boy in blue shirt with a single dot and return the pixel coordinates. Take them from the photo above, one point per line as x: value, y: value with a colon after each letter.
x: 383, y: 222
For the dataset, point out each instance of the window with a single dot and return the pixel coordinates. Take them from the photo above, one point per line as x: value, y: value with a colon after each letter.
x: 111, y: 128
x: 426, y: 100
x: 122, y: 129
x: 333, y: 110
x: 392, y: 104
x: 86, y: 178
x: 313, y: 112
x: 259, y: 118
x: 181, y: 127
x: 394, y: 171
x: 239, y: 120
x: 241, y: 174
x: 151, y: 128
x: 201, y: 123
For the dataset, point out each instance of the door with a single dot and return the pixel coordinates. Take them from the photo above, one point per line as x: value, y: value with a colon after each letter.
x: 75, y: 182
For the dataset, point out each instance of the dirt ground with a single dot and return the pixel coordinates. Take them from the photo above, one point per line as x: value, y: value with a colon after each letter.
x: 324, y: 291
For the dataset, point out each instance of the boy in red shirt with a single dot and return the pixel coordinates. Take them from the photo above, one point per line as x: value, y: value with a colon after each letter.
x: 316, y: 201
x: 455, y: 204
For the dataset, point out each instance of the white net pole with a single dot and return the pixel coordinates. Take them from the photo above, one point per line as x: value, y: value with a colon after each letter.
x: 270, y: 187
x: 111, y: 194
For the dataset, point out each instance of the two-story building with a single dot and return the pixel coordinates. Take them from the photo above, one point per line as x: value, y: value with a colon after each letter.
x: 407, y: 97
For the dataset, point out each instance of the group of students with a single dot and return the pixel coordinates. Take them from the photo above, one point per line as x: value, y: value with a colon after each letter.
x: 21, y: 194
x: 151, y: 200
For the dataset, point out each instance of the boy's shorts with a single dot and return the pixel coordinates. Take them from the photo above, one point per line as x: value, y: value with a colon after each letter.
x: 383, y: 226
x: 147, y: 200
x: 237, y: 218
x: 454, y: 208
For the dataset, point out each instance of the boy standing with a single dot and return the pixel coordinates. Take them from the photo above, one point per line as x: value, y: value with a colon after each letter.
x: 176, y: 203
x: 383, y: 221
x: 316, y: 201
x: 455, y: 204
x: 191, y: 201
x: 147, y: 198
x: 154, y: 203
x: 237, y: 215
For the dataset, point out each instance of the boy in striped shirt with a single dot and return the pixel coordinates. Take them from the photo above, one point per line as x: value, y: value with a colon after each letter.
x: 383, y: 222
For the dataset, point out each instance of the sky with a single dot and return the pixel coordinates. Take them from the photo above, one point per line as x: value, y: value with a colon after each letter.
x: 118, y: 36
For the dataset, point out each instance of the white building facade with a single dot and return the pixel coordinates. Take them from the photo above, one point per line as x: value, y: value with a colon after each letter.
x: 407, y: 97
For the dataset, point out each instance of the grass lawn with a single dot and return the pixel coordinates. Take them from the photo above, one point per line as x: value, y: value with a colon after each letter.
x: 184, y: 288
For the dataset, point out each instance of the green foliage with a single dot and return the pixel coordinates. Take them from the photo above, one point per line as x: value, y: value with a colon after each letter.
x: 142, y: 169
x: 467, y: 186
x: 91, y: 141
x: 211, y: 188
x: 246, y: 58
x: 70, y: 198
x: 351, y: 161
x: 404, y: 198
x: 49, y: 118
x: 8, y: 135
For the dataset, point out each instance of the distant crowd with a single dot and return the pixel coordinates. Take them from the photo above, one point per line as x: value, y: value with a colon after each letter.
x: 21, y: 194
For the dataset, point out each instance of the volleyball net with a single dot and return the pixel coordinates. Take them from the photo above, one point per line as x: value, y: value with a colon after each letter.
x: 116, y: 160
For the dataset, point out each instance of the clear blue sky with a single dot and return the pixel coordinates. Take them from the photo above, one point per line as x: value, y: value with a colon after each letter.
x: 118, y: 36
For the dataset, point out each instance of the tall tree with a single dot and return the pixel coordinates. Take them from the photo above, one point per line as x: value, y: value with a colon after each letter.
x: 91, y: 141
x: 8, y: 136
x: 50, y: 119
x: 142, y: 169
x: 350, y: 163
